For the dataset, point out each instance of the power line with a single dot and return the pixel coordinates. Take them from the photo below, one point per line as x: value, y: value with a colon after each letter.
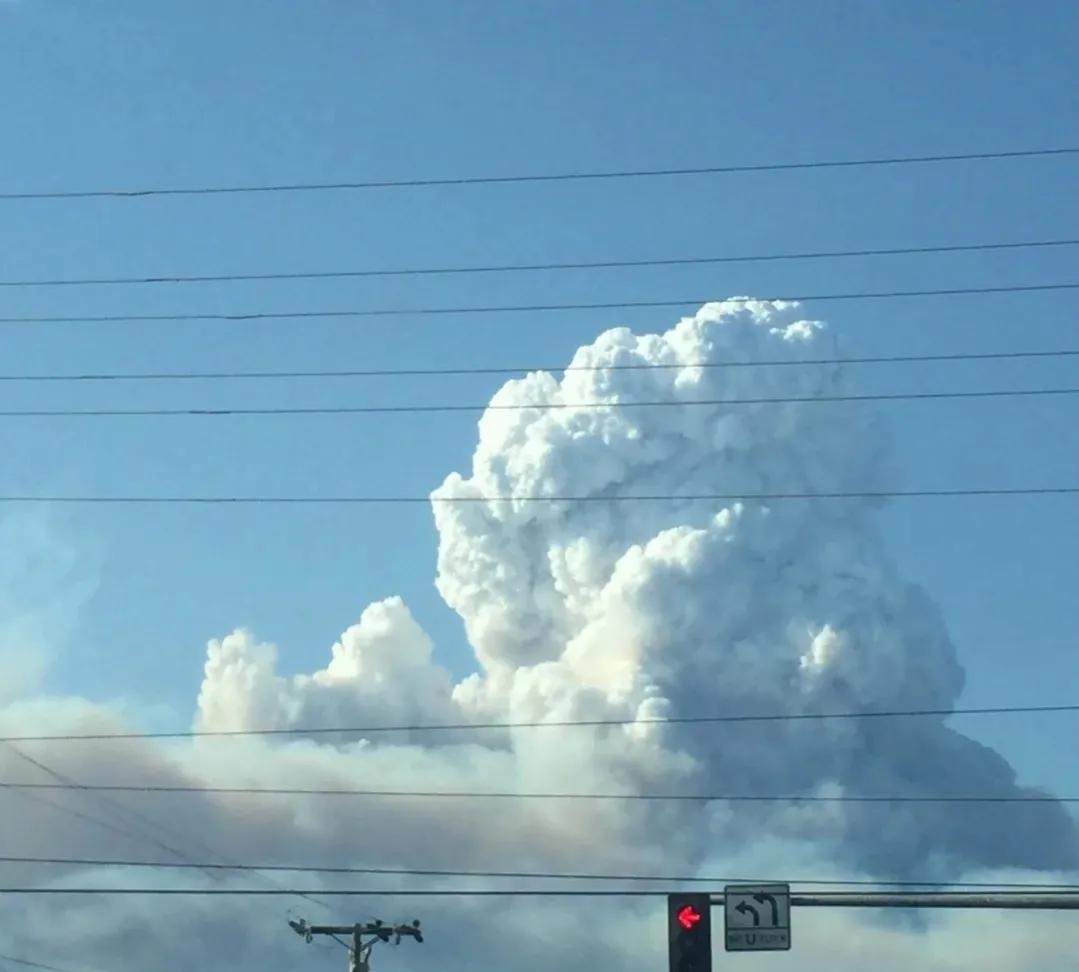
x: 522, y: 308
x: 524, y: 369
x: 32, y: 965
x: 144, y: 824
x: 556, y: 724
x: 528, y: 406
x: 70, y: 811
x: 510, y: 498
x: 474, y: 893
x: 90, y: 818
x: 149, y: 788
x: 541, y: 875
x: 543, y: 177
x: 537, y: 267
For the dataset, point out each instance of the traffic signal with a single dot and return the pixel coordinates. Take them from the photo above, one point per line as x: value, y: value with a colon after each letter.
x: 689, y: 932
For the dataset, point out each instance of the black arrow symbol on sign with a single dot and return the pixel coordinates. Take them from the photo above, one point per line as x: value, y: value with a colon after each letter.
x: 761, y: 898
x: 743, y: 908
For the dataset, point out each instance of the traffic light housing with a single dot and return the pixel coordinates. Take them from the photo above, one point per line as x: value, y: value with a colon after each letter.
x: 689, y: 932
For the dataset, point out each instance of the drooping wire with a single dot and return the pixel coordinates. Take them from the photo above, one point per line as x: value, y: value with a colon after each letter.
x: 558, y: 723
x: 540, y: 875
x: 536, y: 267
x: 501, y: 795
x: 281, y: 411
x: 569, y: 176
x: 143, y: 823
x: 439, y: 310
x: 525, y: 369
x: 417, y: 500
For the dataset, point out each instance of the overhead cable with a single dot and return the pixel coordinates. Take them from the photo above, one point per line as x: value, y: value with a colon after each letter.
x: 555, y: 724
x: 296, y: 791
x: 601, y: 498
x: 520, y: 308
x: 536, y: 875
x: 142, y: 829
x: 525, y: 369
x: 29, y: 964
x: 838, y: 896
x: 143, y: 824
x: 535, y: 267
x: 530, y: 406
x: 567, y: 176
x: 559, y: 723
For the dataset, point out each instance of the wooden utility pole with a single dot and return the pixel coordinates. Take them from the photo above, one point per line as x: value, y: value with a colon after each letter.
x: 359, y: 952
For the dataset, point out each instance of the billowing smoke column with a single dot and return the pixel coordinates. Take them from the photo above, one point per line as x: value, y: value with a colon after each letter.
x: 582, y: 605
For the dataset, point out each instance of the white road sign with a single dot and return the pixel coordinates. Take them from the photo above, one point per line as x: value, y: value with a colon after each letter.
x: 757, y: 917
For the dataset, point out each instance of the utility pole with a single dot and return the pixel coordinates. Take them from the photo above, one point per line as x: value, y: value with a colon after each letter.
x: 359, y: 952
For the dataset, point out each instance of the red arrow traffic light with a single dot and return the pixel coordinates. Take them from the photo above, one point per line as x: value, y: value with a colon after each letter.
x: 689, y: 932
x: 688, y: 917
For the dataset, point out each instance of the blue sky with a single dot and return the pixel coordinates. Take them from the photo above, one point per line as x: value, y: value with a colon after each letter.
x: 134, y: 94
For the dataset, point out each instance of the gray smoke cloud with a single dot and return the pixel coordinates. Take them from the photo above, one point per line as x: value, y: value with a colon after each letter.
x: 584, y: 607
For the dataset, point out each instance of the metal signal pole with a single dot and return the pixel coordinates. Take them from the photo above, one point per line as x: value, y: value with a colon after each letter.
x: 359, y: 952
x: 757, y: 917
x: 1059, y: 901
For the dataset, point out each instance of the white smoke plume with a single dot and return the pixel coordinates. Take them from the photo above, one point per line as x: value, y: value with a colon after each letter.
x: 581, y: 606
